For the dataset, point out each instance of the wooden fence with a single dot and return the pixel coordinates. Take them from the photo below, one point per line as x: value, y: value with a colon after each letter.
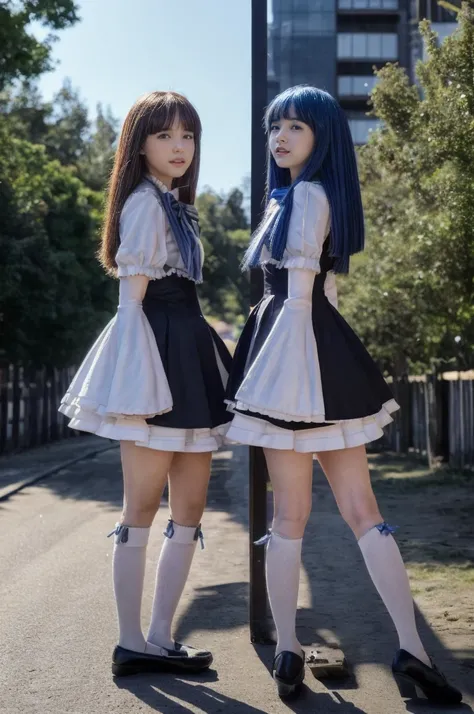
x: 436, y: 419
x: 29, y: 401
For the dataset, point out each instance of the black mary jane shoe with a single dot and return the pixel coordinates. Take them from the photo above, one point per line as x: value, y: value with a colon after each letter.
x: 182, y: 659
x: 288, y: 673
x: 416, y: 680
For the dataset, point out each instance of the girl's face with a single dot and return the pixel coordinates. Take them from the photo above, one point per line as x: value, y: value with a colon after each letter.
x: 291, y: 143
x: 169, y: 153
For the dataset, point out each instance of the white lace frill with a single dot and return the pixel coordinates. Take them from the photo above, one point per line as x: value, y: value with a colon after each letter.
x: 284, y: 380
x: 245, y: 429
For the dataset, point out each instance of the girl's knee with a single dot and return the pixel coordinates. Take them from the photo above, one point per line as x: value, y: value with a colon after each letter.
x: 188, y: 514
x: 291, y: 522
x: 138, y: 516
x: 360, y: 519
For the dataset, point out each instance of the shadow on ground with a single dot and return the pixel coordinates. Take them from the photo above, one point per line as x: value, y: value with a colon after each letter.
x: 434, y: 512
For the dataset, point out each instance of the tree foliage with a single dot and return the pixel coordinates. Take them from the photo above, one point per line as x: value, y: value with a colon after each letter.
x: 22, y: 55
x: 411, y: 295
x: 225, y: 236
x: 53, y: 294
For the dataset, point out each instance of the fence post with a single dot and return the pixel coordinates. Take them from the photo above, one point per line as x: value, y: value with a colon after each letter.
x: 461, y: 423
x: 430, y: 418
x: 45, y: 410
x: 54, y: 429
x: 33, y: 407
x: 3, y: 407
x: 453, y: 425
x: 16, y: 395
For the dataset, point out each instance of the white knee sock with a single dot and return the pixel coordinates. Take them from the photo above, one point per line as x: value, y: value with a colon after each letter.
x: 385, y: 565
x: 283, y: 559
x: 129, y: 559
x: 173, y: 569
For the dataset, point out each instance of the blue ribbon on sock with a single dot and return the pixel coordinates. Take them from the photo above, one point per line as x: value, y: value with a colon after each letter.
x: 385, y: 529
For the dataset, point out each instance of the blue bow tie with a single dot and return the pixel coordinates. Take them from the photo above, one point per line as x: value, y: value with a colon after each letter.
x: 183, y: 211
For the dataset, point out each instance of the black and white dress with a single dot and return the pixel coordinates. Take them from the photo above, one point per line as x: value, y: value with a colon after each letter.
x: 157, y: 373
x: 301, y: 379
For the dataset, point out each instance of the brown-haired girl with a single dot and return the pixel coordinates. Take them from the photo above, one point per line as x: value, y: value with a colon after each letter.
x: 155, y: 377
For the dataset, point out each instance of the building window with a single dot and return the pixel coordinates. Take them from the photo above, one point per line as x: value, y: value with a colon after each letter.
x: 309, y: 23
x: 350, y: 86
x: 370, y: 45
x: 368, y: 4
x: 362, y: 128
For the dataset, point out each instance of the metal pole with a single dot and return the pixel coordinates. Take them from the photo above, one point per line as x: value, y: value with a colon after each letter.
x: 258, y: 609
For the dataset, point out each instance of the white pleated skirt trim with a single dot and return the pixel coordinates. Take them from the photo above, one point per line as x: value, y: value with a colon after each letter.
x: 136, y: 429
x: 345, y: 434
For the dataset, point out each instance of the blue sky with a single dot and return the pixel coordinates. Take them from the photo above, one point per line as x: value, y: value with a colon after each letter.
x: 122, y: 49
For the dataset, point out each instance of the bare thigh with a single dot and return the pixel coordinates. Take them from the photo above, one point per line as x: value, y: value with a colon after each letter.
x: 144, y: 477
x: 188, y: 483
x: 347, y: 472
x: 291, y: 474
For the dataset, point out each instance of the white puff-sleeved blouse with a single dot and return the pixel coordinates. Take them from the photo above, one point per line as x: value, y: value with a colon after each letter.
x: 308, y: 227
x: 147, y: 244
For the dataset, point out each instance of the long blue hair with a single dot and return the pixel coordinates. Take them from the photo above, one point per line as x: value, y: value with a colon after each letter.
x: 332, y: 163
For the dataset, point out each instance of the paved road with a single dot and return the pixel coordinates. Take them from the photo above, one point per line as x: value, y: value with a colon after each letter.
x: 57, y: 625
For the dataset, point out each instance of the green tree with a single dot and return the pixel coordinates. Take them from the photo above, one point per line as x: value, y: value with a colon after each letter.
x: 67, y: 128
x: 225, y: 234
x: 22, y: 55
x: 63, y: 127
x: 95, y: 165
x: 411, y: 296
x: 54, y: 296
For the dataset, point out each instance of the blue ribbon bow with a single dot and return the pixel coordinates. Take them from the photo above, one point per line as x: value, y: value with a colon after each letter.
x: 181, y: 217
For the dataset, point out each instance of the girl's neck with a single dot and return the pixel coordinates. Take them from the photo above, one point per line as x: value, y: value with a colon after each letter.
x: 165, y: 180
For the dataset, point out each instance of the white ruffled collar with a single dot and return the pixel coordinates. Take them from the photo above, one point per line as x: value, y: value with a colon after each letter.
x: 174, y: 191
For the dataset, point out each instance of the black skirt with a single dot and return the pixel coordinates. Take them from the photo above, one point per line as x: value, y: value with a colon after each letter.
x: 190, y: 350
x: 353, y: 388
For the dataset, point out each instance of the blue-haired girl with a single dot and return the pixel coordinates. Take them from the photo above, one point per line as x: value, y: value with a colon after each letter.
x: 302, y: 382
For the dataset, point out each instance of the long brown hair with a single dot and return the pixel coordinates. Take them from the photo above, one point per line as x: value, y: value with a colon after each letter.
x: 149, y: 115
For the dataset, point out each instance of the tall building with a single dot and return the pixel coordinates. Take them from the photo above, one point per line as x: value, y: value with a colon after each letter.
x: 336, y: 44
x: 370, y: 33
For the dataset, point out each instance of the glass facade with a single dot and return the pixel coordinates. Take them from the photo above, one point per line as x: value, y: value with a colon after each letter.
x: 367, y: 45
x: 333, y: 44
x: 368, y: 4
x: 362, y: 128
x: 355, y: 86
x: 303, y: 44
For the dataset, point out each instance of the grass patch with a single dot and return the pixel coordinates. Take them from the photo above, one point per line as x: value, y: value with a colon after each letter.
x: 407, y: 474
x: 438, y: 574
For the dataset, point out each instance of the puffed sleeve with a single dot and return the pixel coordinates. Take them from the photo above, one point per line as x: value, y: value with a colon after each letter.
x: 308, y: 227
x: 142, y: 230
